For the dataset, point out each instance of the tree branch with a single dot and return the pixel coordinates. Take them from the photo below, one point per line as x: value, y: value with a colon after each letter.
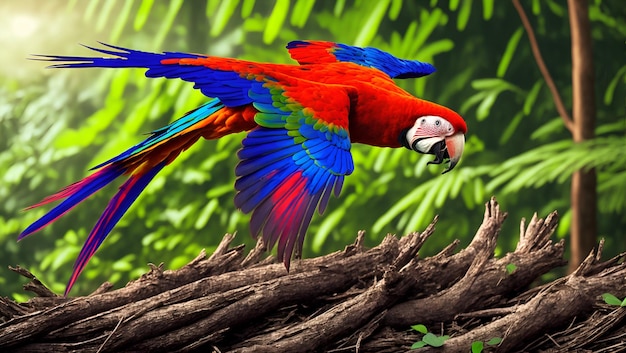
x: 358, y: 299
x: 560, y: 107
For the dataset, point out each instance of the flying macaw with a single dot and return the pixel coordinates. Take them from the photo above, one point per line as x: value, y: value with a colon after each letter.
x: 301, y: 121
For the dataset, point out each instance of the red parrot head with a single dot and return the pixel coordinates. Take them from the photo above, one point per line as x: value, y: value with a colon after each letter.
x: 443, y: 138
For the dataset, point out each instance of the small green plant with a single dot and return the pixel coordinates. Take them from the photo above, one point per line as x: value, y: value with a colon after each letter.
x: 429, y: 339
x: 478, y: 346
x: 510, y: 268
x: 613, y: 300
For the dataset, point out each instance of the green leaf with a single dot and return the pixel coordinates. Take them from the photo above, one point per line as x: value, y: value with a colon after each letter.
x: 394, y: 10
x: 371, y: 25
x: 610, y: 89
x: 423, y: 214
x: 222, y: 16
x: 433, y: 340
x: 142, y: 14
x: 509, y: 52
x: 91, y: 10
x: 611, y: 299
x: 510, y: 268
x: 301, y: 12
x: 494, y: 341
x: 511, y: 128
x: 205, y: 214
x: 444, y: 192
x: 167, y: 22
x: 124, y: 264
x: 254, y: 24
x: 536, y: 7
x: 120, y: 22
x: 437, y: 47
x: 473, y: 100
x: 479, y: 191
x: 482, y: 111
x: 548, y: 128
x: 495, y: 84
x: 557, y: 9
x: 420, y: 328
x: 339, y: 6
x: 104, y: 14
x: 464, y: 15
x: 246, y: 8
x: 275, y: 21
x: 62, y: 256
x: 488, y: 6
x: 426, y: 26
x: 532, y: 97
x: 477, y: 346
x: 418, y: 344
x: 330, y: 222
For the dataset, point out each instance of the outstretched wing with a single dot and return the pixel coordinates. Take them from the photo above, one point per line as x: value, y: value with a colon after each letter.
x: 319, y: 52
x: 296, y: 157
x: 292, y: 162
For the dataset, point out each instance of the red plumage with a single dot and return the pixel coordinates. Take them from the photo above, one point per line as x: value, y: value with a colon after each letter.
x: 301, y: 121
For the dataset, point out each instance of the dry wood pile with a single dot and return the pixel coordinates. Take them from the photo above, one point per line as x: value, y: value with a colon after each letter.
x: 357, y: 300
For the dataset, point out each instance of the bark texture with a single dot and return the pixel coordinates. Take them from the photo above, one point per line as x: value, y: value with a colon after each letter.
x: 584, y: 182
x: 356, y: 300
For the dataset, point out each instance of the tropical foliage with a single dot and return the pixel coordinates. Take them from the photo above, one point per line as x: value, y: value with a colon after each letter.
x: 55, y: 124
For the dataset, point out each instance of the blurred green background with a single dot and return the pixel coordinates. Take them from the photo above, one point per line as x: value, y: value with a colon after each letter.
x: 55, y: 124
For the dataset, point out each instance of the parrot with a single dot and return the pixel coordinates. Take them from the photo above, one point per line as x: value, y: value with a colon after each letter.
x: 300, y: 122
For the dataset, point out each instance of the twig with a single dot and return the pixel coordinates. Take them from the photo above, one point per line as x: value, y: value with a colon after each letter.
x: 560, y: 107
x: 111, y: 334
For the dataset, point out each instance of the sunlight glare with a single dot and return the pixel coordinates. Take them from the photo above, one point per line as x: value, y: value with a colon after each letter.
x: 24, y: 26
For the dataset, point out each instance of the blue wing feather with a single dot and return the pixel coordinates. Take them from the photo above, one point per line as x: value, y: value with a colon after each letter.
x: 311, y: 52
x: 287, y: 165
x: 229, y: 86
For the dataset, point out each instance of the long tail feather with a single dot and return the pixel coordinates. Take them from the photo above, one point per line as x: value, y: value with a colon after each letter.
x: 73, y: 195
x: 116, y: 208
x: 122, y: 57
x: 116, y: 166
x: 193, y: 120
x: 140, y: 163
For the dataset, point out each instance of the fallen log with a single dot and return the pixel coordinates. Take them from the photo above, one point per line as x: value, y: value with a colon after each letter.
x: 356, y: 300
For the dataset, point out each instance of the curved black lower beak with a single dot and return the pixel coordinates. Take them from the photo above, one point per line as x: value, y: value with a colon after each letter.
x: 440, y: 152
x: 449, y: 149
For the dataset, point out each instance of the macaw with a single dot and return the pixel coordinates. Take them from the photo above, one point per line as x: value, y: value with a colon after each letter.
x: 301, y: 120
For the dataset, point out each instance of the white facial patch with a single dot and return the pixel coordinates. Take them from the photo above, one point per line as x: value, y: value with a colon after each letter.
x: 427, y: 131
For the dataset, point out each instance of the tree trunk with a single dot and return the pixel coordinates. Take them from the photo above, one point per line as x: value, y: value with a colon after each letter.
x: 583, y: 193
x: 583, y: 228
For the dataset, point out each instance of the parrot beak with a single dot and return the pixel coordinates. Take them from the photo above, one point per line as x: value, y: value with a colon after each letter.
x: 433, y: 135
x: 449, y: 148
x: 454, y: 149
